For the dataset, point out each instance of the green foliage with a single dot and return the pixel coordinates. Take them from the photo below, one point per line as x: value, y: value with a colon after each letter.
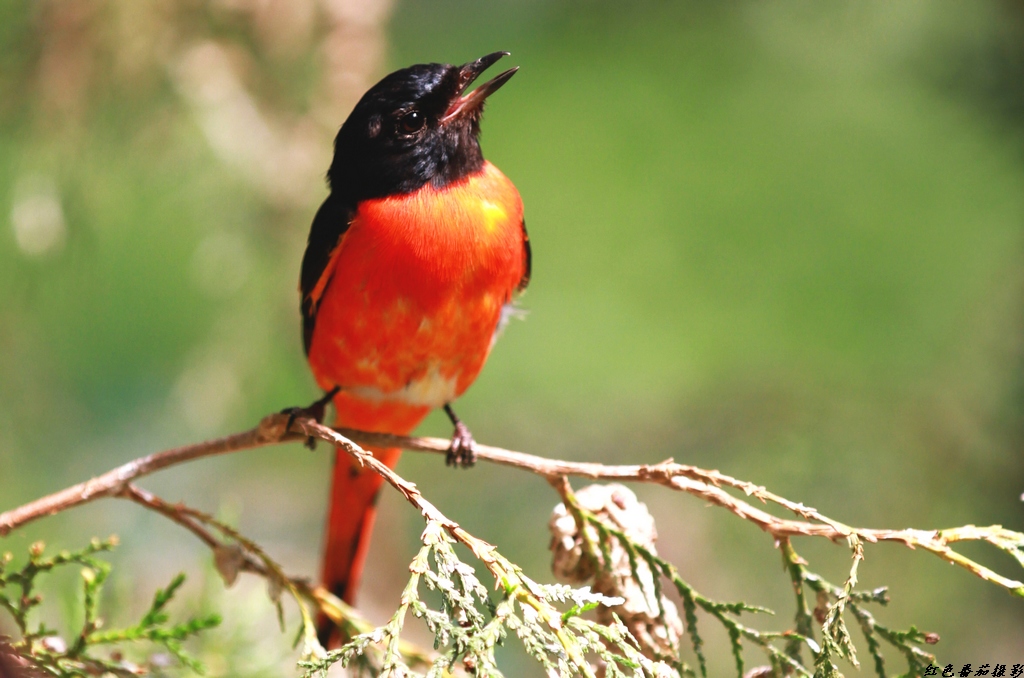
x: 833, y: 602
x: 42, y: 649
x: 468, y: 625
x: 834, y: 628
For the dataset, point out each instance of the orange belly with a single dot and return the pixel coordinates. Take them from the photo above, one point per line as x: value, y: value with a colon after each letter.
x: 407, y: 318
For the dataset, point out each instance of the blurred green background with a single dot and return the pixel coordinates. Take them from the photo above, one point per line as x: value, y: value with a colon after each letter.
x: 783, y: 240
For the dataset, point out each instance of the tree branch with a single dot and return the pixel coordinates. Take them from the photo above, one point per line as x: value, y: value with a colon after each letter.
x: 113, y: 482
x: 705, y: 484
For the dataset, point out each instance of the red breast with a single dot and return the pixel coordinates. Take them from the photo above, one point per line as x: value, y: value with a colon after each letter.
x: 417, y: 287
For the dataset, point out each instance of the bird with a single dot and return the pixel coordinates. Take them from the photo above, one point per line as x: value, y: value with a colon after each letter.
x: 412, y: 268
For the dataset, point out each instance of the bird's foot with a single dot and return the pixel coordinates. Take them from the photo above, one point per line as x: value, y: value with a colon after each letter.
x: 315, y: 411
x: 462, y: 453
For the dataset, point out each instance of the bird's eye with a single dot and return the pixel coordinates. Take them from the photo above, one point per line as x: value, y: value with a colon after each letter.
x: 411, y: 122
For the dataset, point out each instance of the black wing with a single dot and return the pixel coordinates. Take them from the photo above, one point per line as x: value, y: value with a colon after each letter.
x: 527, y: 261
x: 329, y: 225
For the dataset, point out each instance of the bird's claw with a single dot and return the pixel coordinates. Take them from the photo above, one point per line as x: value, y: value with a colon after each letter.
x: 315, y: 411
x: 462, y: 452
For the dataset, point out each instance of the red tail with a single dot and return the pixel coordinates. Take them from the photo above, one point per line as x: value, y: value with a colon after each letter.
x: 354, y: 490
x: 350, y: 521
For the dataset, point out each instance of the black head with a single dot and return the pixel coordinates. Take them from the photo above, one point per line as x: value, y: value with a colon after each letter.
x: 414, y: 126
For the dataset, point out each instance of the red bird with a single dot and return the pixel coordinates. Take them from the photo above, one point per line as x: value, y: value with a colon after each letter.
x: 412, y: 264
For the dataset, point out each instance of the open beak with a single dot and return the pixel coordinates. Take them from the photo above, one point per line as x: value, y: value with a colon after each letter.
x: 463, y: 103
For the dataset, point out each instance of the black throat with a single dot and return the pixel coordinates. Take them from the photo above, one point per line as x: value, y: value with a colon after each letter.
x: 357, y: 175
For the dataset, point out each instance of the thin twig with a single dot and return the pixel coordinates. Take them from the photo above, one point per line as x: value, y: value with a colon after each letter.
x: 340, y: 613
